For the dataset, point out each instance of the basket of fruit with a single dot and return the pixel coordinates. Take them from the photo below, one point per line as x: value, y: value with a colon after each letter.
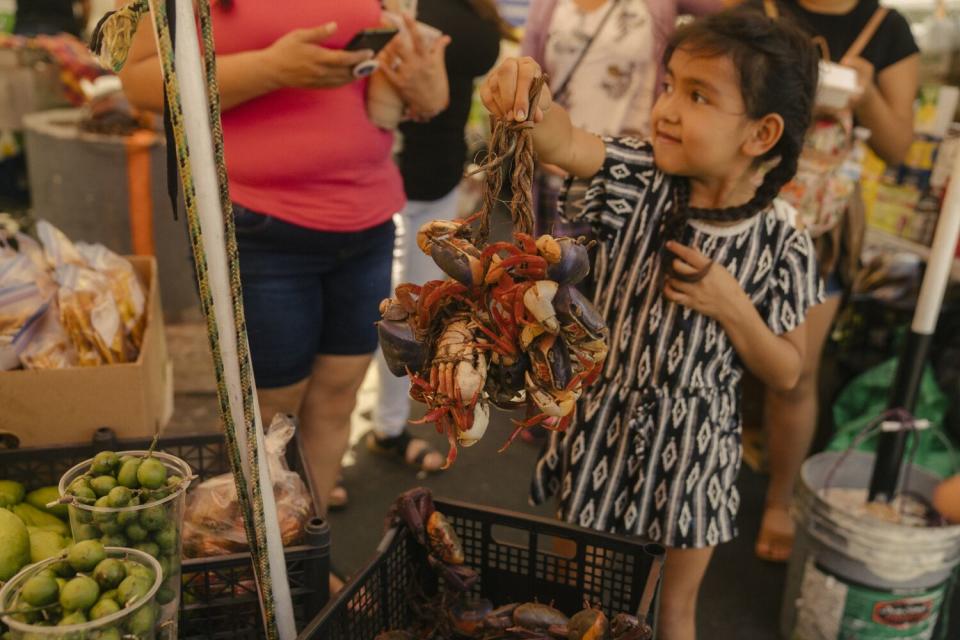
x: 218, y: 593
x: 133, y: 499
x: 87, y: 592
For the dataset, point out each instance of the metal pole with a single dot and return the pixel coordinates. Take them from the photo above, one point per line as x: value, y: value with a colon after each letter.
x: 903, y: 394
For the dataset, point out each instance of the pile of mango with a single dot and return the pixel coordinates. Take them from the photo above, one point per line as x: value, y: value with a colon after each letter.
x: 29, y: 530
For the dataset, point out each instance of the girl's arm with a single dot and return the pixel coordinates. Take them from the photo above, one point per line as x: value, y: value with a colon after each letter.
x: 886, y: 107
x: 505, y: 94
x: 776, y: 360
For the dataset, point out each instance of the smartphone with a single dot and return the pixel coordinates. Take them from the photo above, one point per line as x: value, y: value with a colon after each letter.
x: 372, y: 39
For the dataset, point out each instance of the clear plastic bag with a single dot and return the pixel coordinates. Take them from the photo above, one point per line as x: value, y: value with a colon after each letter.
x: 124, y: 286
x: 57, y: 247
x: 48, y: 346
x: 90, y: 316
x: 213, y: 525
x: 21, y: 304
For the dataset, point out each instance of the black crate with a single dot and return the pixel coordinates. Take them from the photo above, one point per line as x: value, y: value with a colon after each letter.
x: 218, y: 596
x: 520, y: 559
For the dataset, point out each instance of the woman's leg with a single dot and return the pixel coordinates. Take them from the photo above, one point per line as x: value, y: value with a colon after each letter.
x: 682, y: 575
x: 410, y: 264
x: 791, y: 420
x: 331, y: 393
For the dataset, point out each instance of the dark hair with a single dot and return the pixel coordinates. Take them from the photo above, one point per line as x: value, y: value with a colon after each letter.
x: 487, y: 10
x: 777, y: 66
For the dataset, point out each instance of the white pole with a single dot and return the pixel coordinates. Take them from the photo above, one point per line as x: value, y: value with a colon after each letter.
x: 193, y: 95
x: 941, y: 258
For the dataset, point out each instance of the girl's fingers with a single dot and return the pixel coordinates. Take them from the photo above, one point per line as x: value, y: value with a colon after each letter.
x: 673, y: 295
x: 527, y: 70
x: 507, y: 86
x: 683, y: 268
x: 488, y: 95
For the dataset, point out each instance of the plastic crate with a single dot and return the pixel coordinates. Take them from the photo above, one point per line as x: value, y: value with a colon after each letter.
x: 520, y: 559
x: 219, y: 595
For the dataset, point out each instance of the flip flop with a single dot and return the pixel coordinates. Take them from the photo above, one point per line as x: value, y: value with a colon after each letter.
x: 340, y: 503
x: 773, y: 545
x: 396, y: 448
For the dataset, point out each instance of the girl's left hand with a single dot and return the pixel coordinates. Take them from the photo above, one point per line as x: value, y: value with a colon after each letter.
x: 713, y: 295
x: 865, y: 74
x: 418, y: 71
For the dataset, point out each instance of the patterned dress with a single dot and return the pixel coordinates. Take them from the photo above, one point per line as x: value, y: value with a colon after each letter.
x: 655, y: 447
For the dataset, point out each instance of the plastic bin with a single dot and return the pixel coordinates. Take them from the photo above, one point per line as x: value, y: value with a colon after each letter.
x: 520, y: 559
x: 218, y: 595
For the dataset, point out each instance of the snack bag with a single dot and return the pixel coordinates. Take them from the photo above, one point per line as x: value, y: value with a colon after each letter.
x: 57, y: 247
x: 125, y: 288
x: 21, y: 304
x: 90, y: 316
x: 48, y: 346
x: 213, y: 525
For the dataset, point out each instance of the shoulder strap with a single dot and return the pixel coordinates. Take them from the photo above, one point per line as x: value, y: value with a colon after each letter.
x: 586, y: 47
x: 868, y: 31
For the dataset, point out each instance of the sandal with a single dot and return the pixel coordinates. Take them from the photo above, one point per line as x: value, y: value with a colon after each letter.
x: 338, y: 499
x: 396, y: 447
x: 774, y: 543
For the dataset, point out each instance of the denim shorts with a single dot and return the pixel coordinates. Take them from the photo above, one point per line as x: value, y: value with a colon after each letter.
x: 309, y: 293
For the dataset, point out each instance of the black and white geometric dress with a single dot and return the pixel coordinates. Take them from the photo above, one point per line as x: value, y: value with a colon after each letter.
x: 655, y: 447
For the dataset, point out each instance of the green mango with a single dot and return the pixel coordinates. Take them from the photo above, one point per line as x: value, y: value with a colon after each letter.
x: 45, y: 544
x: 43, y: 496
x: 14, y: 545
x: 11, y: 493
x: 33, y: 517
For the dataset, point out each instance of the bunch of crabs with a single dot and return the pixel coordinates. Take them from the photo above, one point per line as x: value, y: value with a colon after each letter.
x: 508, y: 327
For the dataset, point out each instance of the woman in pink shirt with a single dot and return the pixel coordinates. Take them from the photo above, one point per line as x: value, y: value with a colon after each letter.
x: 314, y: 189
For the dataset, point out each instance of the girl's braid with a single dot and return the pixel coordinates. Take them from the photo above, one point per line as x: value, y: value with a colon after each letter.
x: 675, y: 222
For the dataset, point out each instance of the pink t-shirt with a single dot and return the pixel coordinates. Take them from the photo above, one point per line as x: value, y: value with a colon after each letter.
x: 309, y: 157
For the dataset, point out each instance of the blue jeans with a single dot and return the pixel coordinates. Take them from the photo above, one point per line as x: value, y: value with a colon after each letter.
x: 307, y: 292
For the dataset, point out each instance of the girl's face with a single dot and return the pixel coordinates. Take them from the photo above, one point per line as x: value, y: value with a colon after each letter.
x: 699, y: 122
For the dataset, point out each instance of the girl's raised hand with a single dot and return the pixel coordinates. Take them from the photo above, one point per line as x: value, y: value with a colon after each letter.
x: 506, y: 90
x: 715, y: 295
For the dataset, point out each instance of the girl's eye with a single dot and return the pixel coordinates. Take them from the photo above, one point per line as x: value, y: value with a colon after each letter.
x: 699, y: 98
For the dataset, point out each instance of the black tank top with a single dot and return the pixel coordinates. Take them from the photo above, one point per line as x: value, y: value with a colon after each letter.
x: 434, y: 152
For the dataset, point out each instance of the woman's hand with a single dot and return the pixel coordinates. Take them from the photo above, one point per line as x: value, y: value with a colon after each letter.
x: 713, y: 295
x: 418, y: 71
x: 297, y: 60
x: 506, y: 90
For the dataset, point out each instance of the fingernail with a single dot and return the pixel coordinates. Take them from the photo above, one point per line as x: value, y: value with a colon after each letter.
x: 331, y: 25
x: 521, y: 115
x: 510, y: 115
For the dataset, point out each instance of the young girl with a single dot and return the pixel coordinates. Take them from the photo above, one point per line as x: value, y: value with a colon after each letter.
x: 699, y: 273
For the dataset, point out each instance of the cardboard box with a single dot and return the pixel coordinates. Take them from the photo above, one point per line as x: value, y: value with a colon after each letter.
x: 61, y: 406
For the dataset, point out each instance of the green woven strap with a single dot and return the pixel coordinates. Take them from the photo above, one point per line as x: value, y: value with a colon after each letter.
x: 253, y: 512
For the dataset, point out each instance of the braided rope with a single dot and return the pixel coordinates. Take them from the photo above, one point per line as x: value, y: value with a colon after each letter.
x: 236, y: 288
x: 253, y: 514
x: 113, y: 35
x: 510, y: 142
